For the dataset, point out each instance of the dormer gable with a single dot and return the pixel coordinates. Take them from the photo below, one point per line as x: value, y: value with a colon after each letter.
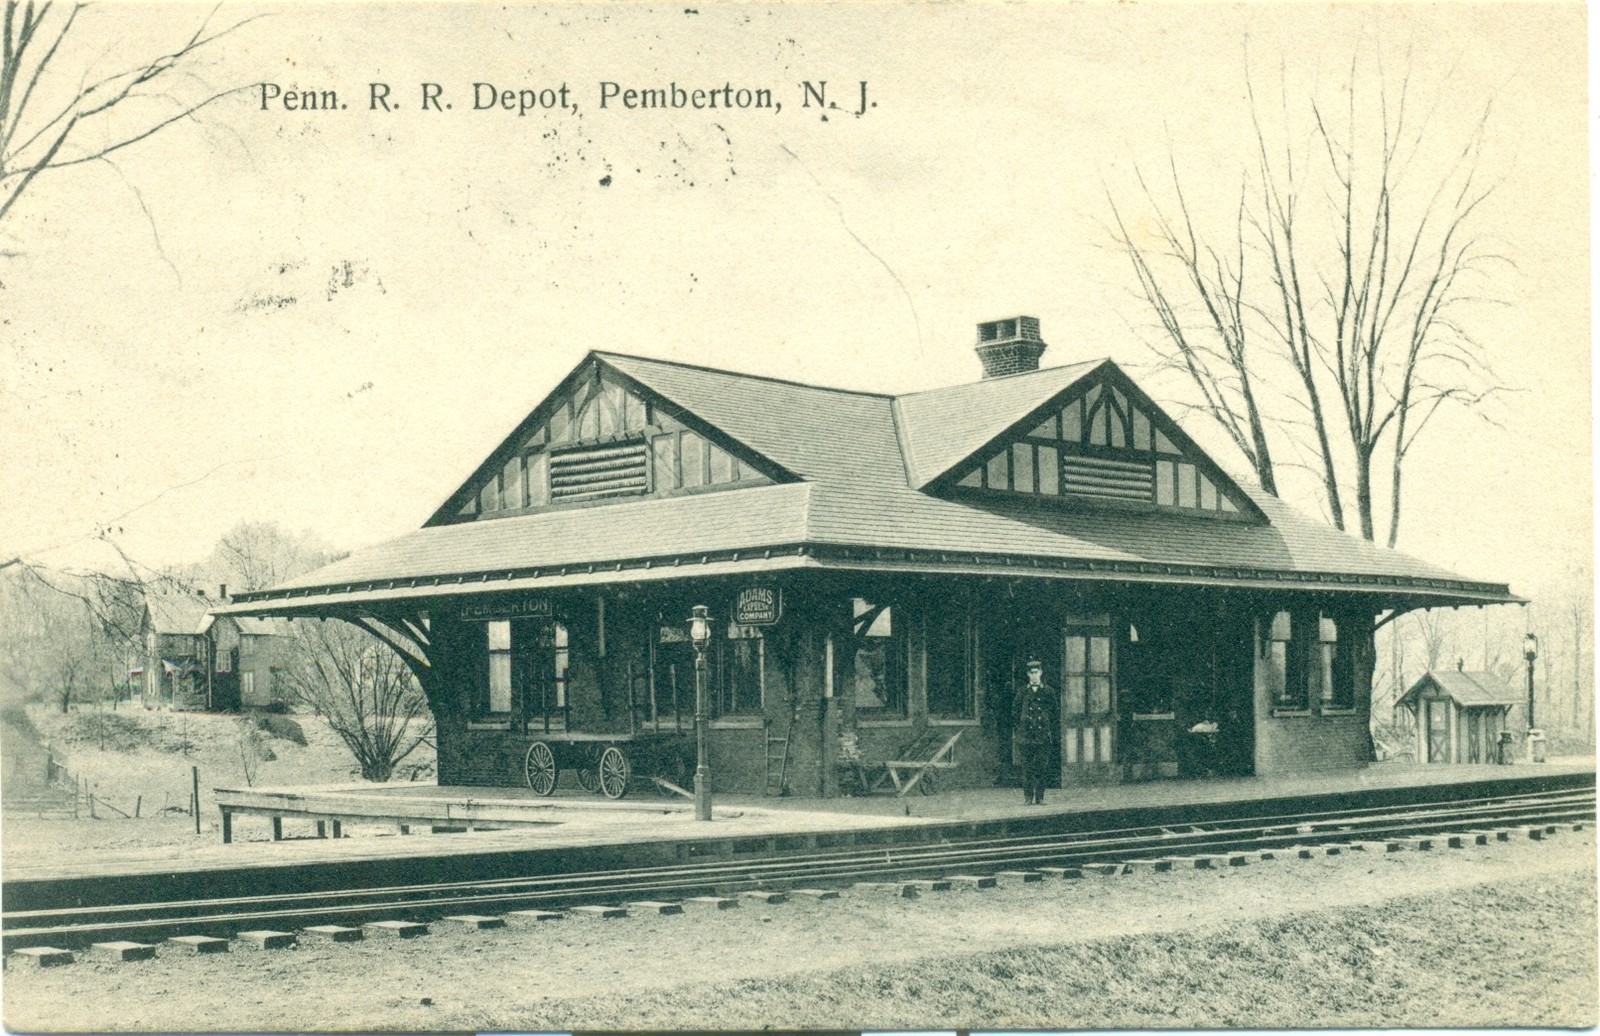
x: 1101, y: 442
x: 602, y: 437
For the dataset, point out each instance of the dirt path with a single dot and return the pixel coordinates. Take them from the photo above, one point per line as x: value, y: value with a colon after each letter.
x: 1503, y: 934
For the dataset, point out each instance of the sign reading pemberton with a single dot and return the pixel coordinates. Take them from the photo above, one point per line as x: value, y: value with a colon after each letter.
x: 486, y: 608
x: 758, y: 606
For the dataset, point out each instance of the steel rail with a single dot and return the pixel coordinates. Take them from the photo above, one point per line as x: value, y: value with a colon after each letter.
x: 78, y: 925
x: 1301, y: 826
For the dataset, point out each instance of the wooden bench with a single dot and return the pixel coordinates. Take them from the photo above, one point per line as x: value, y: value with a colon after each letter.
x: 910, y: 767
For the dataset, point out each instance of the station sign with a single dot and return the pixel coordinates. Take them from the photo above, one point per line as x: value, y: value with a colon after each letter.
x: 758, y: 606
x: 486, y: 609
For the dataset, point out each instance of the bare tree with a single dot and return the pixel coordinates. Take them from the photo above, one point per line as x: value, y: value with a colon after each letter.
x: 364, y: 690
x: 1214, y: 355
x: 54, y: 118
x: 1364, y: 278
x: 258, y: 555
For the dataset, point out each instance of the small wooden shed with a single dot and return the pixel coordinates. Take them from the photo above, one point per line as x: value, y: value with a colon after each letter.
x: 1460, y: 715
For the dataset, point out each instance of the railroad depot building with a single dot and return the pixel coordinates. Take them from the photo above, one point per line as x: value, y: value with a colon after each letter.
x: 878, y: 569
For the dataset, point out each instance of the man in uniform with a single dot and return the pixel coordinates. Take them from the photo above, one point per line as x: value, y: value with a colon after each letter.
x: 1033, y: 728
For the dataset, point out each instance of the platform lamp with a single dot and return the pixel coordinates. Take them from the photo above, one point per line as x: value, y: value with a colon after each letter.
x: 700, y: 637
x: 1530, y: 651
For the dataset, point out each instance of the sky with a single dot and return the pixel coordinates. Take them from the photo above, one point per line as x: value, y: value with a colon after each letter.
x: 326, y: 319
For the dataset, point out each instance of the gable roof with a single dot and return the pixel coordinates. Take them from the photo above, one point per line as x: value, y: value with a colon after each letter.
x: 1468, y: 688
x: 942, y: 427
x: 176, y: 614
x: 857, y: 462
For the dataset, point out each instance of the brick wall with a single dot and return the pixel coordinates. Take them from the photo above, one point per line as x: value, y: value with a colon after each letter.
x: 1311, y: 740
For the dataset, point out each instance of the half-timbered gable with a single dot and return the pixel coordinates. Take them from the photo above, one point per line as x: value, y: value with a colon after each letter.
x: 1102, y: 441
x: 602, y: 437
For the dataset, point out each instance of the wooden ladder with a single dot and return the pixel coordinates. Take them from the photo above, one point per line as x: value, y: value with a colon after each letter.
x: 778, y: 758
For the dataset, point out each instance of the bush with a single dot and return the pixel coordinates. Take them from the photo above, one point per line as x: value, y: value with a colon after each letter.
x: 281, y: 727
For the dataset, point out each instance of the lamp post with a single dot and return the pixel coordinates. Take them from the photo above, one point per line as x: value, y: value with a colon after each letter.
x: 700, y: 637
x: 1530, y: 651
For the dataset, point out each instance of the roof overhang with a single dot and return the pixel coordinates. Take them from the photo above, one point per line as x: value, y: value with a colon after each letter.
x: 1399, y: 592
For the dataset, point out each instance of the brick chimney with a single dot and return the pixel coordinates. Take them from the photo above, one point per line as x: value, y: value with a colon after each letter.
x: 1010, y: 346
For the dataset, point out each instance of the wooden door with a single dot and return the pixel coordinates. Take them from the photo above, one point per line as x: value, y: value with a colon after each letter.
x: 1438, y: 731
x: 1475, y: 751
x: 1088, y: 706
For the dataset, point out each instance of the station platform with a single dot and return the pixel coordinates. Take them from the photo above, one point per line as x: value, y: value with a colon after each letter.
x: 574, y: 831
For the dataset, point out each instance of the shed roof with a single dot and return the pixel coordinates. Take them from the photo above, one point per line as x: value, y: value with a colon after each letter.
x: 1468, y: 689
x: 859, y: 461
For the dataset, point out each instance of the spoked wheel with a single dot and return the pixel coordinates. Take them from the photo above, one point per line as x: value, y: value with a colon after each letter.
x: 675, y: 768
x: 588, y: 773
x: 540, y: 766
x: 613, y: 773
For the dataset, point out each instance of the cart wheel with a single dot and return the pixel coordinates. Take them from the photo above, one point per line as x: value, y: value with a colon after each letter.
x: 540, y: 766
x: 613, y: 773
x: 588, y: 776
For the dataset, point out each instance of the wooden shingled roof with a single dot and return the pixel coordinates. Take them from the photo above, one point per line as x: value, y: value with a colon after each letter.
x: 1469, y: 689
x: 859, y: 463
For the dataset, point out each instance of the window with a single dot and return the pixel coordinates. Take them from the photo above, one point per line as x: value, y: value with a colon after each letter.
x: 563, y: 662
x: 1282, y: 689
x: 1333, y: 673
x: 247, y: 687
x: 876, y: 679
x: 1307, y: 664
x: 950, y: 665
x: 739, y: 671
x: 1086, y: 676
x: 499, y: 634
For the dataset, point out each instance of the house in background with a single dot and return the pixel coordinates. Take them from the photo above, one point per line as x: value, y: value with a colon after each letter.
x: 248, y: 657
x: 1460, y: 715
x: 878, y: 570
x: 198, y: 661
x: 175, y: 649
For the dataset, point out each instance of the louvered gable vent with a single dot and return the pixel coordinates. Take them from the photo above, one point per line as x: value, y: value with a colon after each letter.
x: 598, y: 439
x: 1101, y: 444
x: 616, y: 469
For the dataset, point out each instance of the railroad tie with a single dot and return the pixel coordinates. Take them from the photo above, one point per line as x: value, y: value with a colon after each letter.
x: 930, y: 884
x: 712, y: 903
x: 1024, y: 877
x: 974, y: 881
x: 526, y: 917
x: 767, y: 896
x: 1159, y: 866
x: 1469, y: 838
x: 902, y: 889
x: 1396, y: 845
x: 475, y: 922
x: 598, y: 913
x: 122, y: 950
x: 652, y: 906
x: 1063, y: 873
x: 262, y: 939
x: 42, y: 957
x: 332, y: 933
x: 818, y: 894
x: 198, y: 944
x: 395, y: 929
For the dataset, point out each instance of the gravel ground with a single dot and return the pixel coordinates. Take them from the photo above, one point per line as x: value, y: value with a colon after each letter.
x: 1498, y: 935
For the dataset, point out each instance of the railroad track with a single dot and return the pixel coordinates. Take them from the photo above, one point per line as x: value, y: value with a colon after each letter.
x: 79, y: 926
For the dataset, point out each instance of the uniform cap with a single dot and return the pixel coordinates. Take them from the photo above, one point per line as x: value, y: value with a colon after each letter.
x: 1034, y: 663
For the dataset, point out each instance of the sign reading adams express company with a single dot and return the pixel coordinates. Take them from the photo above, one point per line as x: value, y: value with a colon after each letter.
x: 758, y: 606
